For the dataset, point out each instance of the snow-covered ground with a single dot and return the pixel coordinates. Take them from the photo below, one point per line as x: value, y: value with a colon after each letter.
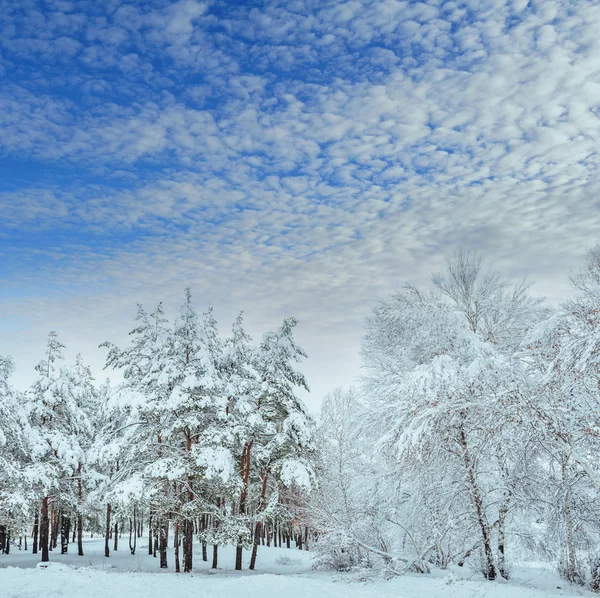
x: 281, y: 573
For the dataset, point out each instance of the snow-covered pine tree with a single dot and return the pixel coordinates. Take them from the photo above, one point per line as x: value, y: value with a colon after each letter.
x: 15, y: 492
x: 60, y: 433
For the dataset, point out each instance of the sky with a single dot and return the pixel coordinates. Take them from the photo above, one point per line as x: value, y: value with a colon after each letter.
x: 286, y: 158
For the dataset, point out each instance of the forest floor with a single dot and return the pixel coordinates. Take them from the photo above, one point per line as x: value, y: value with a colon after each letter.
x: 280, y: 572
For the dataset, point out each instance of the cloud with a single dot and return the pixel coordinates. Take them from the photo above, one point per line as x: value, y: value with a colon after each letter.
x: 299, y: 158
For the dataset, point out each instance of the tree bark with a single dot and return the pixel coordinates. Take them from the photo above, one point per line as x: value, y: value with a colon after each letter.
x: 215, y: 556
x: 133, y: 531
x: 116, y: 536
x: 176, y: 547
x: 54, y: 532
x: 107, y: 534
x: 150, y: 535
x: 475, y: 495
x: 503, y: 511
x: 64, y: 533
x: 80, y: 534
x: 44, y: 530
x: 188, y: 545
x: 245, y: 463
x: 36, y: 527
x: 163, y: 543
x: 259, y: 524
x: 572, y: 574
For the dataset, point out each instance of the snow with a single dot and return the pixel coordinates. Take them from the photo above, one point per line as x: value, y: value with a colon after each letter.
x: 282, y: 573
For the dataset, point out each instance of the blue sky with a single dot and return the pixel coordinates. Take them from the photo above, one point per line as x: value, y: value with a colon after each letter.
x: 286, y: 158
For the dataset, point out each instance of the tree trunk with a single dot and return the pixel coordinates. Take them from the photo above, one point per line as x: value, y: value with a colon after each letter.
x: 107, y: 534
x: 133, y: 531
x: 7, y: 542
x: 150, y: 535
x: 257, y: 535
x: 163, y: 543
x: 258, y: 530
x: 245, y: 463
x: 36, y: 527
x: 571, y: 572
x: 54, y: 528
x: 116, y: 537
x: 176, y: 547
x: 475, y: 495
x: 215, y: 556
x: 188, y: 545
x: 44, y: 530
x: 503, y: 511
x: 80, y: 534
x: 64, y: 533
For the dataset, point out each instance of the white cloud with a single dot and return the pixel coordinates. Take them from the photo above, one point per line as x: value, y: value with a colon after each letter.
x: 325, y: 153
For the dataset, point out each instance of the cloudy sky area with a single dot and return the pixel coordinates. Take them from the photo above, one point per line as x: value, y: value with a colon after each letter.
x: 293, y: 157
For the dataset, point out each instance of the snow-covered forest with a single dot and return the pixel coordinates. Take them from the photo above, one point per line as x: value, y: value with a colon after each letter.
x: 471, y: 443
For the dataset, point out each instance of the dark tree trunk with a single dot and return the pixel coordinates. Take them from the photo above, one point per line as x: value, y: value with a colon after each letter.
x: 107, y: 534
x: 215, y: 556
x: 257, y: 535
x: 116, y: 537
x: 245, y: 463
x: 133, y: 531
x: 239, y: 552
x: 64, y: 533
x: 44, y: 530
x: 36, y: 528
x: 188, y: 545
x: 176, y: 547
x: 54, y: 528
x: 74, y: 530
x: 163, y: 543
x: 80, y: 534
x: 150, y: 535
